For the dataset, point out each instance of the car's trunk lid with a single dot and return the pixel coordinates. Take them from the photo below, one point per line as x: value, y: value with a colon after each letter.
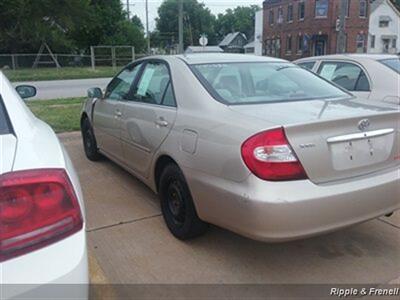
x: 8, y: 144
x: 336, y: 140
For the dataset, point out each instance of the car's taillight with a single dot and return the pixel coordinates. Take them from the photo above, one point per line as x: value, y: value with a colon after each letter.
x: 269, y: 156
x: 37, y: 208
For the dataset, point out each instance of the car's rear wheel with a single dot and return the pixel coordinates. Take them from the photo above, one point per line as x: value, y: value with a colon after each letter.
x: 89, y: 141
x: 177, y: 205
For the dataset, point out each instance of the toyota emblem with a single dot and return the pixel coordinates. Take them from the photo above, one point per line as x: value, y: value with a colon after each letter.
x: 363, y: 124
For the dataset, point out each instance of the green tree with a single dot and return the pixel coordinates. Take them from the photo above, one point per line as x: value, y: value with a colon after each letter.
x: 108, y: 25
x: 197, y: 20
x: 137, y: 22
x: 241, y: 18
x: 25, y: 24
x: 66, y: 25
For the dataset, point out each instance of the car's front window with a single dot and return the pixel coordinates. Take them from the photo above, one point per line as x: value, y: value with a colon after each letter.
x: 243, y: 83
x: 392, y: 63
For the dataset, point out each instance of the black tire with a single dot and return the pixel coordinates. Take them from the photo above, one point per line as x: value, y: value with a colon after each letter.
x: 177, y: 205
x: 89, y: 141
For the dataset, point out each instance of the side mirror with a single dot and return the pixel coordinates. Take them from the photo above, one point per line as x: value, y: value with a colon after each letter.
x: 26, y: 91
x: 95, y: 93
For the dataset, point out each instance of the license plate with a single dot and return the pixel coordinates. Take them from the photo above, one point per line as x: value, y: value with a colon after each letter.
x: 360, y: 153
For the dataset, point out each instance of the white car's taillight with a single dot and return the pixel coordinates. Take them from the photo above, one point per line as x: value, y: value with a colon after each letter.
x: 269, y: 156
x: 37, y: 208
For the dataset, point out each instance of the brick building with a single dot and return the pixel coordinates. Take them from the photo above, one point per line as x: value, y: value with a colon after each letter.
x: 301, y: 28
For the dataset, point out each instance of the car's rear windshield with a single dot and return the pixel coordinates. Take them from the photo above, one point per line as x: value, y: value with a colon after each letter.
x: 247, y: 83
x: 4, y: 124
x: 393, y: 63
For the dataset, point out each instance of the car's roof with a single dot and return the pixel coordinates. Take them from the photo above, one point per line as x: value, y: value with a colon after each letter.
x: 354, y: 56
x: 210, y: 58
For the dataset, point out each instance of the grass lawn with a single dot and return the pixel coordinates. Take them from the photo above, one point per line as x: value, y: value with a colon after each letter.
x: 61, y: 114
x: 58, y: 74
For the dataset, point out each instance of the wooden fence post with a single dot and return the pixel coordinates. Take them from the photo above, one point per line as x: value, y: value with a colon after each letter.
x: 92, y: 58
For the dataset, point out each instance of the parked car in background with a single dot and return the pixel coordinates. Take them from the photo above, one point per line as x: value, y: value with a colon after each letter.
x: 370, y: 76
x: 42, y: 236
x: 253, y: 144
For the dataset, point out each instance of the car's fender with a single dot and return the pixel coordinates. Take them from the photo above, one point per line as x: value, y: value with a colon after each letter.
x: 87, y: 108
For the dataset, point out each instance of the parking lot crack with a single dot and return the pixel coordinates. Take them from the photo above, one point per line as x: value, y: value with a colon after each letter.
x: 123, y: 223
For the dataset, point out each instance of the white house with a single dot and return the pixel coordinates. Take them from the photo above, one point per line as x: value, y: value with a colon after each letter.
x: 384, y: 28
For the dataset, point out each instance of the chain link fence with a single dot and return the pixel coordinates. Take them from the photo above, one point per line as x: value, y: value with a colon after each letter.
x: 101, y: 56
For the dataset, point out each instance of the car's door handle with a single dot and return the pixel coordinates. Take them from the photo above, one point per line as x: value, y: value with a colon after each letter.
x: 161, y: 122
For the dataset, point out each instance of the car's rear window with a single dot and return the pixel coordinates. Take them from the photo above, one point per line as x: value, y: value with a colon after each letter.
x: 246, y: 83
x: 393, y: 63
x: 4, y: 124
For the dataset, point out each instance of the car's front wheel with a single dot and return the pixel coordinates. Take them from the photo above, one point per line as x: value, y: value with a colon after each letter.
x: 177, y: 205
x: 89, y: 141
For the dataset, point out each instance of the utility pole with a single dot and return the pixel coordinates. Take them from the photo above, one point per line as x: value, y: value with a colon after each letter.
x: 128, y: 9
x: 342, y: 26
x: 180, y: 50
x: 147, y: 27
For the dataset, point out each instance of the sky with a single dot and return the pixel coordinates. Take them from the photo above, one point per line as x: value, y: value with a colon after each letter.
x: 137, y: 7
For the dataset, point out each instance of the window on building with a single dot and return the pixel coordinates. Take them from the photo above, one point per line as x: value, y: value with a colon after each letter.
x: 385, y: 45
x: 321, y: 8
x: 394, y: 43
x: 290, y: 13
x: 302, y: 10
x: 299, y: 43
x: 360, y: 43
x: 280, y: 15
x: 348, y: 8
x: 372, y: 42
x: 383, y: 23
x: 267, y: 47
x: 289, y: 44
x: 271, y: 17
x: 363, y: 8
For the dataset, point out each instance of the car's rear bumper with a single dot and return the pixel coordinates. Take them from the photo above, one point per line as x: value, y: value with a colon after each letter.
x: 44, y: 273
x: 280, y: 211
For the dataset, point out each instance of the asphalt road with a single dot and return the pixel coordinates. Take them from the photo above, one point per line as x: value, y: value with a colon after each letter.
x: 129, y: 242
x: 53, y: 89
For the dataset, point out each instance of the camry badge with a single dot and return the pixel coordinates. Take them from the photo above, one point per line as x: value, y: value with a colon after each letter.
x: 363, y: 124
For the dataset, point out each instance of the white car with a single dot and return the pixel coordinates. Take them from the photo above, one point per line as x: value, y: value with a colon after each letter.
x: 42, y: 218
x: 370, y: 76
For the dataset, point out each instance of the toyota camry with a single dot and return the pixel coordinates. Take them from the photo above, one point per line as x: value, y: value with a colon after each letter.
x: 256, y: 145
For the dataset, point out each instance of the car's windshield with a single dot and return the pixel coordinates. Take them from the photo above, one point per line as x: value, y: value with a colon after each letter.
x: 4, y: 126
x: 244, y: 83
x: 393, y: 63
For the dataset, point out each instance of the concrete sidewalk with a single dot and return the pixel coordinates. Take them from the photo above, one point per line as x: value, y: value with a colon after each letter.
x: 131, y: 244
x: 53, y: 89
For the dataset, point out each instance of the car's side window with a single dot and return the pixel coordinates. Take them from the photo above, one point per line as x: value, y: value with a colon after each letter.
x: 309, y: 65
x: 119, y: 87
x: 347, y: 75
x: 4, y: 125
x: 169, y: 99
x: 154, y: 86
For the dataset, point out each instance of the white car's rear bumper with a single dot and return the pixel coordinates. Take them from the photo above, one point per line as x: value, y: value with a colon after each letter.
x: 40, y: 274
x: 280, y: 211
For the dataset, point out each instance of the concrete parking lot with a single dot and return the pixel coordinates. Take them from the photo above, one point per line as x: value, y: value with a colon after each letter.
x: 129, y: 242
